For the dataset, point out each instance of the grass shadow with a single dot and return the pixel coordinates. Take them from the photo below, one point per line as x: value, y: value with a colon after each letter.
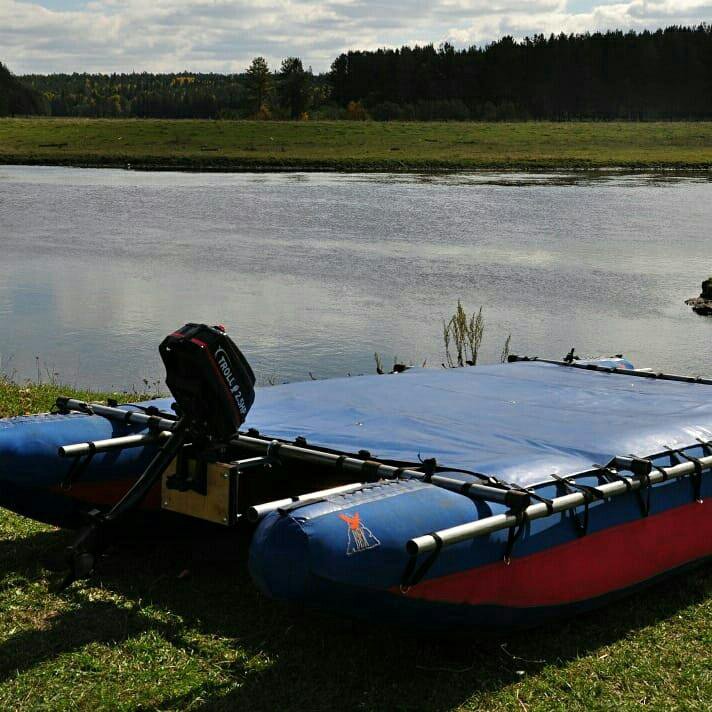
x: 308, y: 661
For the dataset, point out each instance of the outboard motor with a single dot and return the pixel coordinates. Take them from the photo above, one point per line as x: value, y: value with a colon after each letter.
x: 214, y: 388
x: 211, y: 380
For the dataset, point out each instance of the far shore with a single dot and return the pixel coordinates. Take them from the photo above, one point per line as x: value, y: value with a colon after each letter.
x: 206, y: 145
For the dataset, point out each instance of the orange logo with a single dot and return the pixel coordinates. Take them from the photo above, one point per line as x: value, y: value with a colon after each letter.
x: 360, y: 537
x: 353, y: 522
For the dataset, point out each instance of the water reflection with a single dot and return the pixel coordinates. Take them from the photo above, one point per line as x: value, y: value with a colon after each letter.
x: 315, y: 272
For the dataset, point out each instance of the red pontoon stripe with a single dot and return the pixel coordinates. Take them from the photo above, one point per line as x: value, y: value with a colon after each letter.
x: 108, y: 493
x: 594, y: 565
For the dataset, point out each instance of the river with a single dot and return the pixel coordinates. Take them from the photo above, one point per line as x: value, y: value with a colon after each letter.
x: 314, y: 272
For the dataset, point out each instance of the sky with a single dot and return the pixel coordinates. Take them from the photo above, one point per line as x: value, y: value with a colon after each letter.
x: 46, y: 36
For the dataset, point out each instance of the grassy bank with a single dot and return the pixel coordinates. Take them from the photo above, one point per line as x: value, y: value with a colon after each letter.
x: 244, y: 145
x: 180, y: 626
x: 26, y: 398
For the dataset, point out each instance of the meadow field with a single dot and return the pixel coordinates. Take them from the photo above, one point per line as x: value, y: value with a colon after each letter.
x: 353, y: 145
x: 178, y: 625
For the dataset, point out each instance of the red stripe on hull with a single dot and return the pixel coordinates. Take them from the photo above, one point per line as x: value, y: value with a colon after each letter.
x: 596, y: 564
x: 108, y: 492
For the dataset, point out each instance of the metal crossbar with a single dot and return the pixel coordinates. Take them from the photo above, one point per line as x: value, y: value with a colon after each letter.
x: 518, y: 500
x: 131, y: 417
x: 498, y: 522
x: 490, y: 491
x: 608, y: 369
x: 127, y: 441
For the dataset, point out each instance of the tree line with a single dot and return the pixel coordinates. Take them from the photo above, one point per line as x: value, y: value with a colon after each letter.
x: 16, y: 97
x: 259, y: 92
x: 666, y: 74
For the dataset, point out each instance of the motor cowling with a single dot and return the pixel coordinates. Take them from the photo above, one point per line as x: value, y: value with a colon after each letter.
x: 211, y: 380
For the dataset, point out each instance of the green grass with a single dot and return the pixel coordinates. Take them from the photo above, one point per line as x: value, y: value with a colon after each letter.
x: 342, y: 145
x: 179, y: 625
x: 26, y: 398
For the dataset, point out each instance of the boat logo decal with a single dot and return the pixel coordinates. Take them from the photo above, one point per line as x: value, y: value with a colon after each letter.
x: 361, y: 538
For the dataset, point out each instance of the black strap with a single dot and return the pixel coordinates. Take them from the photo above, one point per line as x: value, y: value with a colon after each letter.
x: 60, y: 406
x: 662, y: 471
x: 154, y: 423
x: 611, y: 474
x: 148, y: 409
x: 429, y: 467
x: 644, y: 491
x: 490, y: 480
x: 514, y: 534
x: 272, y: 453
x: 78, y: 467
x: 580, y: 526
x: 371, y: 470
x: 590, y: 494
x: 465, y: 488
x: 706, y: 446
x: 533, y: 494
x: 696, y: 477
x: 414, y: 574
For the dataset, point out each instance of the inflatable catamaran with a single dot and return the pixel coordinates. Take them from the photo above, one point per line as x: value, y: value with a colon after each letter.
x: 499, y: 495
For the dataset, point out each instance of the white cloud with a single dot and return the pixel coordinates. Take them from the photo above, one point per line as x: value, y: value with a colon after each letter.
x: 223, y: 35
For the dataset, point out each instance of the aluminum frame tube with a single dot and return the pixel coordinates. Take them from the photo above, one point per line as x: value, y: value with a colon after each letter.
x: 510, y: 497
x: 125, y: 416
x: 93, y: 446
x: 489, y: 525
x: 259, y: 511
x: 650, y: 375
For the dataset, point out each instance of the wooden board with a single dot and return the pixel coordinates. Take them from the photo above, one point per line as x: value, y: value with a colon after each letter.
x: 213, y: 507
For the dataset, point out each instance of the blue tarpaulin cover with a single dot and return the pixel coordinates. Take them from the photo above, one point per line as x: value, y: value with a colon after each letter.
x: 519, y: 422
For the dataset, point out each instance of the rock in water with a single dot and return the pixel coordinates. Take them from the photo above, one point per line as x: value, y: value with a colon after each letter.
x: 703, y: 303
x: 707, y: 289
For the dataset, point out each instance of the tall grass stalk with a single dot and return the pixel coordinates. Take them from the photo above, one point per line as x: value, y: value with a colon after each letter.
x: 465, y: 334
x: 505, y: 350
